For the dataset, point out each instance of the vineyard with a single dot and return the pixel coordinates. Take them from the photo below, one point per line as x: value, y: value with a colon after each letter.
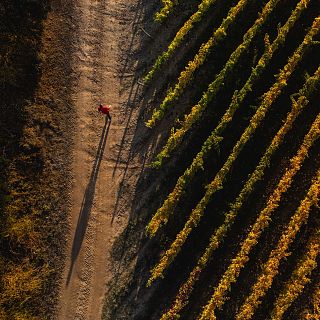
x: 228, y: 211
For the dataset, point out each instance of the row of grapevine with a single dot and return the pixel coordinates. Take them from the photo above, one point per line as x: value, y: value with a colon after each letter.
x: 299, y: 278
x: 217, y: 237
x: 161, y: 216
x: 177, y: 135
x: 203, y: 7
x: 186, y: 75
x: 168, y: 6
x: 312, y: 312
x: 231, y: 274
x: 271, y: 268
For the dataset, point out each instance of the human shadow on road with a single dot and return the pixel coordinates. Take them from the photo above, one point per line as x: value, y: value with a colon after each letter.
x: 87, y: 201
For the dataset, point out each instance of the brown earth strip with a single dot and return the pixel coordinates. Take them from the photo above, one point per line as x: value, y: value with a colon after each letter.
x: 102, y: 63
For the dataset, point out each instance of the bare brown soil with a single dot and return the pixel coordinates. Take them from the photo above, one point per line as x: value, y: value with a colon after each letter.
x: 104, y: 71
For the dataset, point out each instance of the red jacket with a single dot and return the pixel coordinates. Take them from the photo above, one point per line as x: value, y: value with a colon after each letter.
x: 104, y: 109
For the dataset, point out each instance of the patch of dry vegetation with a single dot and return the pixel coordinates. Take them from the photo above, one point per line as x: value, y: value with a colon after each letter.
x: 29, y: 184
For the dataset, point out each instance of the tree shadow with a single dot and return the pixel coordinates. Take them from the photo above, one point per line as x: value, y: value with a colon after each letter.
x: 136, y: 96
x: 87, y: 201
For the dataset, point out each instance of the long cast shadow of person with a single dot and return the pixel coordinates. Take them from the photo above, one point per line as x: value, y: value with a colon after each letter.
x: 87, y: 201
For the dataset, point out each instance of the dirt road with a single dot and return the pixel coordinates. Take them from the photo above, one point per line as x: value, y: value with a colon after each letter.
x: 104, y: 64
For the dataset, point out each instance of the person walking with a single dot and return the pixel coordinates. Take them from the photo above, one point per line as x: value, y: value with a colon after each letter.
x: 105, y: 110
